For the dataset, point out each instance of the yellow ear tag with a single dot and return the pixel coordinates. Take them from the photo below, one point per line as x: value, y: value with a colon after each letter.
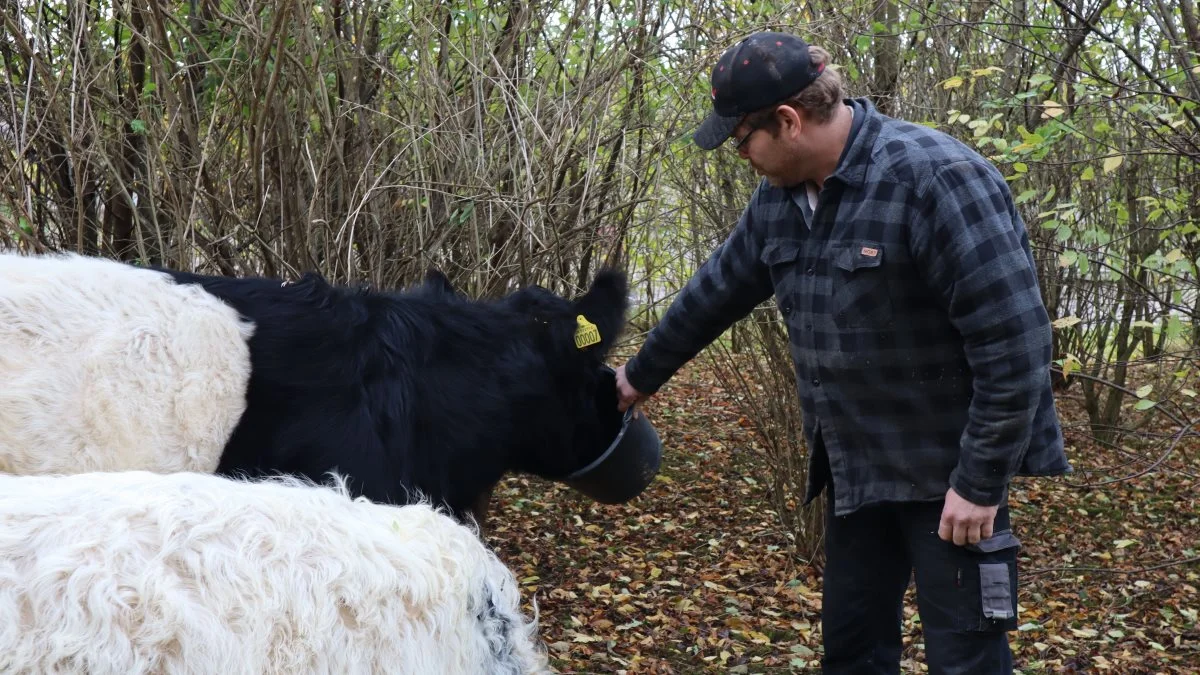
x: 587, y: 334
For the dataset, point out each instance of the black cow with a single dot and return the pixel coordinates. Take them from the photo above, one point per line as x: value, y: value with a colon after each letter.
x: 422, y: 391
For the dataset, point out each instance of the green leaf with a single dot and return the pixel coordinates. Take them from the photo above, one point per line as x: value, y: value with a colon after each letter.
x: 1145, y: 404
x: 1143, y: 392
x: 1026, y: 196
x: 1124, y: 543
x: 1174, y: 327
x: 1112, y: 163
x: 1088, y: 174
x: 137, y: 126
x: 1028, y: 137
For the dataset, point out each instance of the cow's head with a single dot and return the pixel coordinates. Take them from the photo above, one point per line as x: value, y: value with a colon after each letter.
x: 572, y: 339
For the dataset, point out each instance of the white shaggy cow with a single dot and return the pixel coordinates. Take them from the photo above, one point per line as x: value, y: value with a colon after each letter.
x: 137, y: 572
x: 107, y: 367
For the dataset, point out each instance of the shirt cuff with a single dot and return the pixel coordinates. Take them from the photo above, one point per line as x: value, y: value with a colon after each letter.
x: 635, y: 373
x: 978, y: 495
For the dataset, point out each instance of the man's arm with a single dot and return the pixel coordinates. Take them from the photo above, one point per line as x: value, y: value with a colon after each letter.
x: 977, y: 262
x: 729, y: 284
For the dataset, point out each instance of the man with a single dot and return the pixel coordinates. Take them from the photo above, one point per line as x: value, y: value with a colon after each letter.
x: 920, y: 341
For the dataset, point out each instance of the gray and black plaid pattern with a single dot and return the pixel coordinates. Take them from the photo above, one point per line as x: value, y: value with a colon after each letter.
x: 921, y: 344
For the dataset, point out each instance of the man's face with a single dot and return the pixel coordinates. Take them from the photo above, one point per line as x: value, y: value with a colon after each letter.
x: 772, y: 149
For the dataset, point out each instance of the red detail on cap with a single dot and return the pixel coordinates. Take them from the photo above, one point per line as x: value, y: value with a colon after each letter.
x: 778, y: 43
x: 721, y: 68
x: 714, y: 92
x: 746, y: 62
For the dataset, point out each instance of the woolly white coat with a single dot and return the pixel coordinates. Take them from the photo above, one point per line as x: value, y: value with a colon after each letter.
x: 134, y: 572
x: 106, y: 366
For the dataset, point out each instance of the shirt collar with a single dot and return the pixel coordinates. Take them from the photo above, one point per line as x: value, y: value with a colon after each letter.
x: 856, y: 156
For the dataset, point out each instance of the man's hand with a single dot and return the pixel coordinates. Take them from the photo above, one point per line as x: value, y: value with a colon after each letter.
x: 626, y: 395
x: 964, y: 522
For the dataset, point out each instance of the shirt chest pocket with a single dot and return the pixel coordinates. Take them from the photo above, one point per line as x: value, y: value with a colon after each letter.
x: 860, y: 295
x: 781, y: 256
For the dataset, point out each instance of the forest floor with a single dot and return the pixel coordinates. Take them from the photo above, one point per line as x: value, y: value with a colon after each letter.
x: 696, y: 575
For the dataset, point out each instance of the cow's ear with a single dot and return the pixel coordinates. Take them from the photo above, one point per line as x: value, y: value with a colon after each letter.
x: 438, y: 283
x: 602, y: 307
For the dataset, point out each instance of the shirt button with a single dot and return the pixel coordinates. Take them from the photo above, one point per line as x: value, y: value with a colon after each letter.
x: 786, y: 308
x: 816, y: 382
x: 810, y: 271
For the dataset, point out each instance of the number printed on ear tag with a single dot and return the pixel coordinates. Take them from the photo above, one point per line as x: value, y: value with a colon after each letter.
x: 586, y: 334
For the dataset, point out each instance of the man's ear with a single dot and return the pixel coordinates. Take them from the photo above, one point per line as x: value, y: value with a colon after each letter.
x: 791, y: 121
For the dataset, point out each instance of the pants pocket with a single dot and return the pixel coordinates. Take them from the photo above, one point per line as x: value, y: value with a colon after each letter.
x: 989, y: 575
x: 996, y: 591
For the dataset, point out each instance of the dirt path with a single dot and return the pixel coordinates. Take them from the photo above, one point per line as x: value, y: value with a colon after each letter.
x: 695, y: 577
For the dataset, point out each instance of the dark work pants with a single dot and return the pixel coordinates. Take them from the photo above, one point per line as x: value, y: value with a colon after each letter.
x: 966, y: 598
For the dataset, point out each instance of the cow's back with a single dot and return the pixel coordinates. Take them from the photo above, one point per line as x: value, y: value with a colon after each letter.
x: 322, y: 393
x: 107, y: 366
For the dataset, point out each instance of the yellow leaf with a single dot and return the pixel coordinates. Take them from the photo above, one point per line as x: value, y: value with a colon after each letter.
x: 1053, y: 109
x: 951, y: 83
x: 1066, y: 322
x: 757, y: 637
x: 1111, y: 163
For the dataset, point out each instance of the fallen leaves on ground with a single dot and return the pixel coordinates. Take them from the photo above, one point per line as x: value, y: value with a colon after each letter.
x: 696, y: 574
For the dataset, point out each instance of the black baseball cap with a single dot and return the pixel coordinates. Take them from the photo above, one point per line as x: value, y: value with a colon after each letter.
x: 762, y: 70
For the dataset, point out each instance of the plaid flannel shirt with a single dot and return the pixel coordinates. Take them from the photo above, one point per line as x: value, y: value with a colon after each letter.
x: 919, y: 336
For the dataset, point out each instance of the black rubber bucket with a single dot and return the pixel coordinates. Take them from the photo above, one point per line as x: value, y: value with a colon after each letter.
x: 630, y: 460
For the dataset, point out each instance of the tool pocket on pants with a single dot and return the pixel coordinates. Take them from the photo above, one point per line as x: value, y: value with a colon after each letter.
x: 988, y: 574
